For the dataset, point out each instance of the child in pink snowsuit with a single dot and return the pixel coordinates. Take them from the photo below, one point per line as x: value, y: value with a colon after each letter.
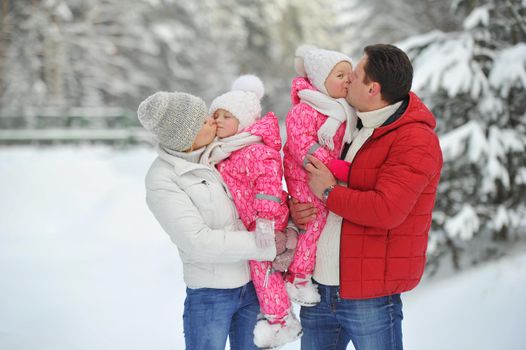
x: 246, y: 154
x: 317, y: 124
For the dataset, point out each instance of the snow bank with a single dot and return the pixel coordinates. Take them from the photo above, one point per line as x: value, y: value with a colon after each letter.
x: 84, y: 265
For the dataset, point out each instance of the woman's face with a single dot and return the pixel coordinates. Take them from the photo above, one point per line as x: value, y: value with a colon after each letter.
x: 337, y: 82
x: 206, y: 134
x: 227, y: 124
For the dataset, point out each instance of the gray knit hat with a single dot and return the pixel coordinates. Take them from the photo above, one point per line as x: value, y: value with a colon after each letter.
x: 174, y: 118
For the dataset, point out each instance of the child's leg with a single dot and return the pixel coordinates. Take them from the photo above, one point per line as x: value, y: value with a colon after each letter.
x: 278, y: 325
x: 270, y: 289
x: 299, y: 284
x: 305, y: 254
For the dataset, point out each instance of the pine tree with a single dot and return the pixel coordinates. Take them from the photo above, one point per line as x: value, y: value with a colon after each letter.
x: 61, y: 54
x: 474, y: 80
x: 260, y: 37
x: 387, y: 21
x: 71, y: 54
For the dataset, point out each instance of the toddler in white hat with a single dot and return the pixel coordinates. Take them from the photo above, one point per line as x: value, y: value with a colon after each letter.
x: 247, y: 155
x: 318, y: 124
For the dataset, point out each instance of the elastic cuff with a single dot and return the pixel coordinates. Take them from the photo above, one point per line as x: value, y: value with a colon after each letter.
x: 311, y: 151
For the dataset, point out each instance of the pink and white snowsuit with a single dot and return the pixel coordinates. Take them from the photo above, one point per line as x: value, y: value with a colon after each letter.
x: 254, y: 176
x: 302, y: 123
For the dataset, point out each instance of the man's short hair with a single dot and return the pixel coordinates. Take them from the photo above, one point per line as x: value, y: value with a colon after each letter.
x: 391, y: 68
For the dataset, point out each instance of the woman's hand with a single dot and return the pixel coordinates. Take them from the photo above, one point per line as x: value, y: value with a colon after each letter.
x: 281, y: 242
x: 282, y: 261
x: 286, y: 247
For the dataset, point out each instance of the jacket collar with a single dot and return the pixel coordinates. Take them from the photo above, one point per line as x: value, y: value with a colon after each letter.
x: 411, y: 111
x: 182, y: 162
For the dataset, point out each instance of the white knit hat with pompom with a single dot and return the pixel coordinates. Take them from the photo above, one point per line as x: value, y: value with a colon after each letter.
x: 243, y: 100
x: 316, y: 64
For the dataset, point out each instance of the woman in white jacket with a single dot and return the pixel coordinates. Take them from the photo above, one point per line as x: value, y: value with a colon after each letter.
x: 193, y: 206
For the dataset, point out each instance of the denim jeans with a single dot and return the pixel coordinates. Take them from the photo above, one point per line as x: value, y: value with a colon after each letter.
x: 371, y: 324
x: 211, y: 315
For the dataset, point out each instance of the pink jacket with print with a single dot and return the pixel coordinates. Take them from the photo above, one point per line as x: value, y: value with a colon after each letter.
x: 254, y: 176
x: 303, y: 123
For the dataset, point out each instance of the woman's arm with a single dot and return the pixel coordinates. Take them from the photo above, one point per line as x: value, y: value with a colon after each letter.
x: 182, y: 221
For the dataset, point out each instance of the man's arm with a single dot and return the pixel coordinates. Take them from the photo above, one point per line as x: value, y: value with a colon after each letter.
x: 413, y: 161
x: 181, y: 220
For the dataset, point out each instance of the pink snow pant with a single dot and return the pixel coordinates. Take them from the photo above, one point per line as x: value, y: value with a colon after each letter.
x: 305, y: 255
x: 270, y: 289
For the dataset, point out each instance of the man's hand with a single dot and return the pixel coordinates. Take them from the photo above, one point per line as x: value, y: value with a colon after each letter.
x: 320, y: 177
x: 301, y: 213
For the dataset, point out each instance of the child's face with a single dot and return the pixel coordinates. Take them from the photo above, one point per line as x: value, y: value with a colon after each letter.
x: 337, y: 82
x: 227, y: 124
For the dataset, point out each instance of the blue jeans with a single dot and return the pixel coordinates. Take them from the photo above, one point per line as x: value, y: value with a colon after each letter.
x: 371, y: 324
x: 211, y: 315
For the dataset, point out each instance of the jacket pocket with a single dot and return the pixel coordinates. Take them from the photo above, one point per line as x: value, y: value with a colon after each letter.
x: 199, y: 192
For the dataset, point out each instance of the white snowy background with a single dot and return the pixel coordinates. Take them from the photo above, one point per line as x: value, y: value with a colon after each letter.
x: 84, y: 265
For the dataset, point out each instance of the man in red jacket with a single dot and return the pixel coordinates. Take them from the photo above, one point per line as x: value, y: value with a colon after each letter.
x: 374, y: 243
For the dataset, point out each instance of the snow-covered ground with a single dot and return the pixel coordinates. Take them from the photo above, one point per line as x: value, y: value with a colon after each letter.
x: 84, y: 265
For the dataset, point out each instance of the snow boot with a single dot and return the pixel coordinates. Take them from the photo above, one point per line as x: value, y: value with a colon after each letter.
x: 301, y: 290
x: 271, y: 333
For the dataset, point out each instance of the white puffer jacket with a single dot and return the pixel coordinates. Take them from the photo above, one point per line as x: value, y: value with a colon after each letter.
x: 191, y: 203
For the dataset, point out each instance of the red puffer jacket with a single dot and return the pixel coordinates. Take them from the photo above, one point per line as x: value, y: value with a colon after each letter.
x: 388, y: 205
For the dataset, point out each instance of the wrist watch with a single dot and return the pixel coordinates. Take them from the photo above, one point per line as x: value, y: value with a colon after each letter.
x: 326, y: 192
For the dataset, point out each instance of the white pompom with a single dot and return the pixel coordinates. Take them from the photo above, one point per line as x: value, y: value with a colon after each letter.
x: 299, y: 59
x: 250, y: 83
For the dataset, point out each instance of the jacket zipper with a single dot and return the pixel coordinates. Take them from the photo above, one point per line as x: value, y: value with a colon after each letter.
x: 267, y: 276
x: 352, y: 163
x: 233, y: 208
x: 341, y: 229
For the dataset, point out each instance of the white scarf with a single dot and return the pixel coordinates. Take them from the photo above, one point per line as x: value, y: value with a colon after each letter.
x: 370, y: 121
x: 327, y: 268
x: 338, y: 111
x: 221, y: 149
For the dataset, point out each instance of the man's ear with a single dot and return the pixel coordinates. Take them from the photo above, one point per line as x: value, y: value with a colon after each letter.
x: 374, y: 89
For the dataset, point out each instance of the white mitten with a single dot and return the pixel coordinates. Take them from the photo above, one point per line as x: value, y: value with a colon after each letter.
x: 264, y: 233
x: 327, y: 131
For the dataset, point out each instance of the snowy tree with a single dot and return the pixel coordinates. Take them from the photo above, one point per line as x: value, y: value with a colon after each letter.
x: 69, y: 53
x: 205, y: 45
x: 61, y: 54
x: 474, y: 80
x: 387, y: 21
x: 260, y: 37
x: 274, y: 31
